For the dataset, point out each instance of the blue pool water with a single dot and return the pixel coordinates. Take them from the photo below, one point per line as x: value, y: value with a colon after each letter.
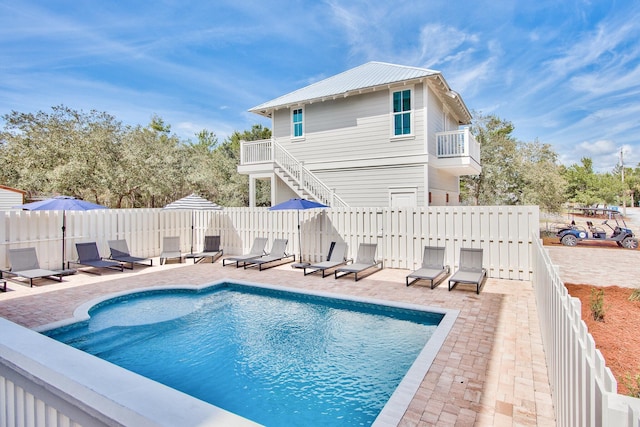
x: 275, y: 357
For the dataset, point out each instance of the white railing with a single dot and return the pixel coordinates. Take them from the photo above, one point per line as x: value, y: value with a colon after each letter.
x: 265, y: 151
x: 401, y: 233
x: 458, y: 143
x: 252, y: 152
x: 306, y: 179
x: 584, y: 390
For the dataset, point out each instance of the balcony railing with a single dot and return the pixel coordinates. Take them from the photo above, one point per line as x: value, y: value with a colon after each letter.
x: 458, y: 143
x: 253, y: 152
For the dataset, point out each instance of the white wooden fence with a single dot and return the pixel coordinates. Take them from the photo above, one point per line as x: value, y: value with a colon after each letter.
x: 401, y: 233
x: 584, y: 389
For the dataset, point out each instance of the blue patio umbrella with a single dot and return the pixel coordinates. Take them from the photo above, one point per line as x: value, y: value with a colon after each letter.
x: 298, y: 204
x: 61, y: 203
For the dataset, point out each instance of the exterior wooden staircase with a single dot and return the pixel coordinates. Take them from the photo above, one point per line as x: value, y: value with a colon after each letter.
x: 290, y: 170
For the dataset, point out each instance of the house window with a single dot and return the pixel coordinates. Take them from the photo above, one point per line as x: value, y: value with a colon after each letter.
x: 297, y: 123
x: 402, y: 112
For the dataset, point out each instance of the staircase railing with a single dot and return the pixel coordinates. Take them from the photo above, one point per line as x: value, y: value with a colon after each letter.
x: 305, y: 178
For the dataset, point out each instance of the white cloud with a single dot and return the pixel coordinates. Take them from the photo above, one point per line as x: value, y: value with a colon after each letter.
x: 438, y: 42
x: 596, y: 148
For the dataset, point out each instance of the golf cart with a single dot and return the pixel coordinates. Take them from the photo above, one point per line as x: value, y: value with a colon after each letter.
x: 571, y: 234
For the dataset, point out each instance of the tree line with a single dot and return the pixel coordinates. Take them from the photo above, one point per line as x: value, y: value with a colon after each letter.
x: 93, y: 156
x: 528, y: 173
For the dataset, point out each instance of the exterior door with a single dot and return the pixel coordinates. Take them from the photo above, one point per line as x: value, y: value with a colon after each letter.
x: 403, y: 198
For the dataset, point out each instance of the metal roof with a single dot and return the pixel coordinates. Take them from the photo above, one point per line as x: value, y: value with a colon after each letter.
x: 364, y: 78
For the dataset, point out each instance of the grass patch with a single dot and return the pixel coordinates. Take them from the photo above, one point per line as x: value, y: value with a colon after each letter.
x: 632, y: 383
x: 635, y: 295
x: 596, y: 304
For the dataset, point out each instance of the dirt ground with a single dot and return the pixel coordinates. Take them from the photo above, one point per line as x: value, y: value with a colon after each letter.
x: 618, y: 334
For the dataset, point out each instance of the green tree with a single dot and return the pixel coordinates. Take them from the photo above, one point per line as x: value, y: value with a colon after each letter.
x: 93, y: 156
x: 499, y: 181
x: 582, y: 182
x: 201, y: 175
x: 541, y: 177
x: 64, y: 151
x: 234, y: 187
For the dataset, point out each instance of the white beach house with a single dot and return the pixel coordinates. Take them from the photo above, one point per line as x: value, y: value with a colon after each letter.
x: 377, y: 135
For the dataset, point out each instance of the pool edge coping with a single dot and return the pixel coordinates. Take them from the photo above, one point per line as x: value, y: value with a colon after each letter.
x: 393, y: 410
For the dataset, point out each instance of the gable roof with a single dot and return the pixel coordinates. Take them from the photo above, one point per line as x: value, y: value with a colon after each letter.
x: 15, y: 190
x: 364, y: 78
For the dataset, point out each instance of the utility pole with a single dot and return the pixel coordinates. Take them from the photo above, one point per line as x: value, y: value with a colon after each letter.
x: 624, y: 193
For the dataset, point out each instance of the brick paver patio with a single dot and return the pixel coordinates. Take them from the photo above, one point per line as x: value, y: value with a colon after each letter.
x: 491, y: 370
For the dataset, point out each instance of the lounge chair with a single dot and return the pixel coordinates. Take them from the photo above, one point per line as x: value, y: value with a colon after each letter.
x: 278, y: 253
x: 211, y: 249
x: 170, y: 249
x: 365, y: 260
x: 120, y: 252
x: 89, y: 256
x: 432, y: 266
x: 470, y: 270
x: 257, y: 249
x: 24, y: 263
x: 337, y: 257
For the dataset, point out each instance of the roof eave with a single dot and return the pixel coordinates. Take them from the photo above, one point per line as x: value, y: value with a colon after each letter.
x: 268, y: 112
x: 452, y: 98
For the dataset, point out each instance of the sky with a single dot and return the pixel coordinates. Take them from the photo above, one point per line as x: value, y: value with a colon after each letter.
x: 563, y: 72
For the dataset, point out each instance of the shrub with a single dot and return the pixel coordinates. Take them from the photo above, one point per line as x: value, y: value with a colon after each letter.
x: 635, y: 295
x: 632, y: 383
x: 596, y: 303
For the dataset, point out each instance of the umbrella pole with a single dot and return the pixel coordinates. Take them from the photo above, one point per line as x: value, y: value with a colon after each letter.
x: 64, y: 229
x: 299, y: 238
x: 192, y: 232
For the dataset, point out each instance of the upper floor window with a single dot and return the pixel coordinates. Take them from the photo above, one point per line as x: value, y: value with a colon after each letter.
x: 297, y: 122
x: 402, y: 112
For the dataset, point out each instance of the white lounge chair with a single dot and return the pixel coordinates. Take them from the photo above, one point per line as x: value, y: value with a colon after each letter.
x: 170, y: 249
x: 337, y: 257
x: 432, y: 266
x: 24, y: 263
x: 365, y: 260
x: 470, y: 270
x: 278, y: 253
x: 257, y: 249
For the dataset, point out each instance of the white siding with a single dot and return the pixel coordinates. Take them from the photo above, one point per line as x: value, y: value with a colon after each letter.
x: 441, y: 184
x: 351, y: 128
x: 282, y: 192
x: 369, y: 187
x: 348, y: 145
x: 9, y: 198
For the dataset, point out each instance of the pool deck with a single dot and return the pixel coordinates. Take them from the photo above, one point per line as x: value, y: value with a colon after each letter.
x: 491, y: 370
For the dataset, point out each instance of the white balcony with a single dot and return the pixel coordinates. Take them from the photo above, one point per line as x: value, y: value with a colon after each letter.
x: 458, y: 152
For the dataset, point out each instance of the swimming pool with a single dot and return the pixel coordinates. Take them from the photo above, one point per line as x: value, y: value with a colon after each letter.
x: 270, y: 355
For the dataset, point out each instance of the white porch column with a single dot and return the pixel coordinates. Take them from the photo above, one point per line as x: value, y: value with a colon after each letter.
x: 252, y: 192
x: 274, y: 200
